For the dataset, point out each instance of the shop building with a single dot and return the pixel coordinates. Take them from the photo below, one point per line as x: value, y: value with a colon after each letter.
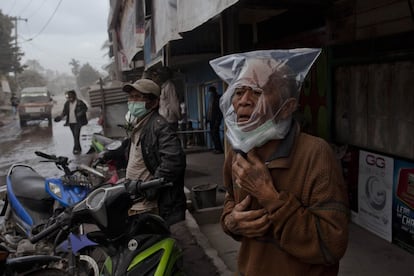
x: 359, y: 95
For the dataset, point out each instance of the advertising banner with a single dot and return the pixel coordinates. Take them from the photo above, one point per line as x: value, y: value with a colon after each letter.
x: 403, y: 205
x: 375, y: 193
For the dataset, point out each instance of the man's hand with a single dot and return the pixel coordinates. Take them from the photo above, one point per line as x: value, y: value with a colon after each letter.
x: 253, y: 176
x: 248, y: 223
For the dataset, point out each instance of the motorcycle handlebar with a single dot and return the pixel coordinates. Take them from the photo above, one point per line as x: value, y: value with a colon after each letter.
x: 60, y: 221
x: 91, y: 170
x: 65, y: 218
x: 44, y: 155
x: 137, y: 186
x: 59, y: 160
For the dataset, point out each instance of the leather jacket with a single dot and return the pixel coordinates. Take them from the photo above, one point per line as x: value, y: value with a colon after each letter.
x: 80, y: 112
x: 164, y: 157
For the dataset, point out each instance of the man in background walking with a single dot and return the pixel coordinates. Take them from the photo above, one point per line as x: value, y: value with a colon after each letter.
x: 75, y: 112
x: 214, y: 117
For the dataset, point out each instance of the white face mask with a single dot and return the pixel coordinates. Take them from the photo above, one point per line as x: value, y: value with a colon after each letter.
x: 246, y: 140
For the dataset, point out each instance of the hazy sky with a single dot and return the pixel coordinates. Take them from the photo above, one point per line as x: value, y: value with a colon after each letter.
x: 58, y: 30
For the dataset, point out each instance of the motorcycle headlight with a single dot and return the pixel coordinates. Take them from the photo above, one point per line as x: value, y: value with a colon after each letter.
x: 55, y: 189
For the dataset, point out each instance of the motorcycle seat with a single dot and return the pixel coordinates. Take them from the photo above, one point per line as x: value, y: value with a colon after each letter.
x: 27, y: 183
x: 28, y: 195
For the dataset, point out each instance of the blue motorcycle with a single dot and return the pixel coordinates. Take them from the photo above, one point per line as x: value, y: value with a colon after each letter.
x: 33, y: 202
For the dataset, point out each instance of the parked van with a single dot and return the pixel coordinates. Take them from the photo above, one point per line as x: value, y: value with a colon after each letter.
x: 35, y: 104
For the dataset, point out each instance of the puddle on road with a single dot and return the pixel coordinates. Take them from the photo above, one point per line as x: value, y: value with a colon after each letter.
x: 18, y: 145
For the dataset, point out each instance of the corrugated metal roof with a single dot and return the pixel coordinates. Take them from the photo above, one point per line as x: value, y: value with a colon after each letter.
x: 107, y: 96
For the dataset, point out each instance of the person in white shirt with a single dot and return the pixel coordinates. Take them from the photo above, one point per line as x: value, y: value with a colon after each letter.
x: 75, y: 112
x: 169, y: 104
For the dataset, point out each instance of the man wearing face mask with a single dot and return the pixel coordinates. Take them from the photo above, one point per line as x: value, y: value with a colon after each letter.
x: 154, y: 151
x: 286, y: 200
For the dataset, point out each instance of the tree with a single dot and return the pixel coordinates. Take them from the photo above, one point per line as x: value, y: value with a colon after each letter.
x: 9, y: 53
x: 87, y: 75
x: 75, y: 67
x: 34, y: 65
x: 61, y: 83
x: 31, y: 78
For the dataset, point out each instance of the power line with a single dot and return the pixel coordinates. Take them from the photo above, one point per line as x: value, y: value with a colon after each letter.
x: 38, y: 9
x: 48, y: 21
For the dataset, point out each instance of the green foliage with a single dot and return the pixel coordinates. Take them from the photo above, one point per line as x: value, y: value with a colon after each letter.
x: 75, y: 67
x: 87, y: 75
x: 31, y: 78
x: 61, y: 83
x: 33, y: 64
x: 9, y: 54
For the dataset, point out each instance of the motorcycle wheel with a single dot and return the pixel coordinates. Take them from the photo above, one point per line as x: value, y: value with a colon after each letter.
x: 87, y: 266
x: 91, y: 261
x: 47, y: 272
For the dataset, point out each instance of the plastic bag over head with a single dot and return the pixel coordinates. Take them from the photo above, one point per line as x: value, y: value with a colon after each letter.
x: 268, y: 73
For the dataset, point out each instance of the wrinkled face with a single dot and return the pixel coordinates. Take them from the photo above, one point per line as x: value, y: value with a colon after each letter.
x: 255, y: 104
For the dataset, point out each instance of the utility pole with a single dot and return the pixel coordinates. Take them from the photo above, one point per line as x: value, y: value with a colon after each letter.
x: 15, y: 19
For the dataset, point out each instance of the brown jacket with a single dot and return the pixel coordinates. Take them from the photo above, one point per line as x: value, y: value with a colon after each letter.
x: 310, y: 220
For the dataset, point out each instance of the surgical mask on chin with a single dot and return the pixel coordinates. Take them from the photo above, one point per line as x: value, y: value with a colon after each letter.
x: 137, y: 109
x: 247, y: 140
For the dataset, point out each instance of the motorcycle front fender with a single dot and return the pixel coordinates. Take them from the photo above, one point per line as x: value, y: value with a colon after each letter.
x: 77, y: 243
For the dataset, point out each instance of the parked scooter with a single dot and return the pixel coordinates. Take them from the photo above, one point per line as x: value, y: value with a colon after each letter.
x: 113, y: 168
x: 32, y: 202
x: 139, y: 244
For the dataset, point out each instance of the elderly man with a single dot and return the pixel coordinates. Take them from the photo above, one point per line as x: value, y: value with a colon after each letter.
x: 286, y: 200
x: 155, y: 151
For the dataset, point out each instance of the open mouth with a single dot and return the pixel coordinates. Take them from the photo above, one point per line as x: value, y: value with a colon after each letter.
x: 243, y: 118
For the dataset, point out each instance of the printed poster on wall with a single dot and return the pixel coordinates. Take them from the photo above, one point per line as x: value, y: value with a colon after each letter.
x: 403, y: 205
x: 375, y: 193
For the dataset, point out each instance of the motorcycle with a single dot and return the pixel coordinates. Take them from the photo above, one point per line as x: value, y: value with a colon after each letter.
x: 32, y: 202
x: 113, y: 168
x: 138, y: 244
x: 38, y: 265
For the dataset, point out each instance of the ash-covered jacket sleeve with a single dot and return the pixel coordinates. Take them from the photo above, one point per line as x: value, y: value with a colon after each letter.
x: 172, y: 161
x: 81, y: 109
x: 313, y: 228
x: 65, y: 110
